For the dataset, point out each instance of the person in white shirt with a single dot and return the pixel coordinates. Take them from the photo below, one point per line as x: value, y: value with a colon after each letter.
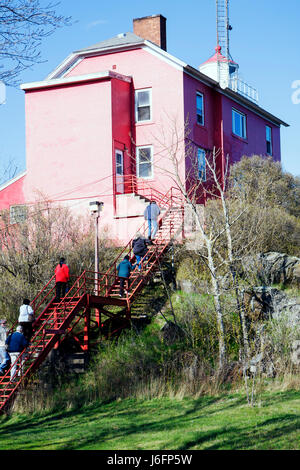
x: 26, y: 318
x: 3, y: 335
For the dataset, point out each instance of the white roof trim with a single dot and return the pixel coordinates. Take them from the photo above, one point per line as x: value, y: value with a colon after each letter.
x: 169, y: 58
x: 74, y: 79
x: 70, y: 60
x: 13, y: 180
x: 73, y: 59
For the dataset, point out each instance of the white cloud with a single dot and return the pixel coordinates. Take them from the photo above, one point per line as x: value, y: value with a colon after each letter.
x: 95, y: 23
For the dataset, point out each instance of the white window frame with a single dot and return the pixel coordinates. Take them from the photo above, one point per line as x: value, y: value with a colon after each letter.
x: 119, y: 175
x: 141, y: 147
x: 17, y: 213
x: 201, y: 168
x: 202, y: 115
x: 243, y: 123
x: 121, y: 165
x: 270, y: 141
x: 136, y: 104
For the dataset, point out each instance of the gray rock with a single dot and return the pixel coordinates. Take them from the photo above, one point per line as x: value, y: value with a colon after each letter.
x: 275, y: 268
x: 295, y: 355
x: 263, y: 303
x: 186, y: 286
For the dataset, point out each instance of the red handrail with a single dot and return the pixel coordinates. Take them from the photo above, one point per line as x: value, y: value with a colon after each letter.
x: 111, y: 274
x: 141, y: 187
x: 33, y: 303
x: 168, y: 198
x: 38, y: 339
x: 57, y: 316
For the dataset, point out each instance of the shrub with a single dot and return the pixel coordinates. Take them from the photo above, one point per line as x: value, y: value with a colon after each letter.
x: 196, y: 315
x: 279, y: 338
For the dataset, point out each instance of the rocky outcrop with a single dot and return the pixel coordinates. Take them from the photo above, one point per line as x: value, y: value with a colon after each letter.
x: 295, y: 357
x: 172, y: 333
x: 263, y: 303
x: 277, y: 268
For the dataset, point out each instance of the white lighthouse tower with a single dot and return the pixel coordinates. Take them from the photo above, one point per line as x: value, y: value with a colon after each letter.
x: 221, y: 67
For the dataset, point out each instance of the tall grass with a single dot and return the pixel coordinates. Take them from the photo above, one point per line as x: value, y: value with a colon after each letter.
x: 145, y: 366
x: 140, y: 366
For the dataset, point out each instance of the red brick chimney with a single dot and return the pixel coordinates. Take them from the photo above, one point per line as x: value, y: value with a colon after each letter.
x: 152, y: 28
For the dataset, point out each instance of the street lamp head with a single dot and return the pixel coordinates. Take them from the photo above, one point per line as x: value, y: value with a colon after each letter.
x: 96, y: 207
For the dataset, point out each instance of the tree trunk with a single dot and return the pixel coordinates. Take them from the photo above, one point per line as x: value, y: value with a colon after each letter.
x: 218, y: 308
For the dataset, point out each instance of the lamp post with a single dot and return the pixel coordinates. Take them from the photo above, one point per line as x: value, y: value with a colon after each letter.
x: 96, y: 208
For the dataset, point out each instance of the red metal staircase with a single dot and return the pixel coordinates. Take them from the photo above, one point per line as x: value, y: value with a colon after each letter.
x: 91, y: 292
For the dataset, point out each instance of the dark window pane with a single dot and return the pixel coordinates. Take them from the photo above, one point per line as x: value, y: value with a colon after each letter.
x: 199, y: 118
x: 145, y: 155
x: 237, y: 123
x: 144, y: 113
x: 269, y: 139
x: 201, y: 165
x: 145, y: 162
x: 119, y: 170
x: 199, y: 109
x: 18, y: 214
x: 145, y: 170
x: 143, y: 98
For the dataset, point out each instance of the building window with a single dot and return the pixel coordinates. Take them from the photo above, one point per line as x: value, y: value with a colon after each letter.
x: 201, y: 160
x: 144, y: 162
x: 269, y: 140
x: 200, y: 108
x: 119, y: 172
x: 17, y: 214
x: 143, y: 111
x: 239, y: 124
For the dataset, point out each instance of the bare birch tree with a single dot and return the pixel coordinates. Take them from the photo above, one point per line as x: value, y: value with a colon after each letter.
x: 230, y: 210
x: 177, y: 152
x: 205, y: 190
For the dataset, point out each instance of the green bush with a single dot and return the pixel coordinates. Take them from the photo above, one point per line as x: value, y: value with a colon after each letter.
x: 196, y: 315
x: 279, y: 337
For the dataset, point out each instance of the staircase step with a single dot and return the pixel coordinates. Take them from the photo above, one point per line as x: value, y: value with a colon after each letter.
x: 52, y: 320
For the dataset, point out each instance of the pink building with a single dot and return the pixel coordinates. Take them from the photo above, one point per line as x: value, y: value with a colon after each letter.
x: 102, y: 126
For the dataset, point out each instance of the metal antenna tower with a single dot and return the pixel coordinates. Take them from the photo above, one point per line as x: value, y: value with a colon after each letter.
x: 227, y: 69
x: 223, y: 27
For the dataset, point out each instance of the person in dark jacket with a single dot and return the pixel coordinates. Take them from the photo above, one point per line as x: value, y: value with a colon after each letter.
x: 151, y: 214
x: 124, y: 269
x: 62, y: 276
x: 140, y: 248
x: 16, y: 343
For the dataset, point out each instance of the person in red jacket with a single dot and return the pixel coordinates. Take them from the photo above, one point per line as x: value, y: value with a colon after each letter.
x: 62, y: 276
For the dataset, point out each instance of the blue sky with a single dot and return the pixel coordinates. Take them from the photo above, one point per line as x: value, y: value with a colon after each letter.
x: 264, y: 41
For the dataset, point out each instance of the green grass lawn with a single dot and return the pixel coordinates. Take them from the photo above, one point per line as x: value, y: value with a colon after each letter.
x: 210, y: 423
